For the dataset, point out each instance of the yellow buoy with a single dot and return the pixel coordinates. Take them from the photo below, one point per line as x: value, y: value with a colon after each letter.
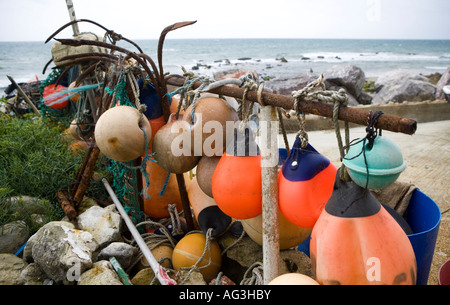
x: 293, y: 279
x: 290, y: 235
x: 160, y: 253
x: 189, y: 250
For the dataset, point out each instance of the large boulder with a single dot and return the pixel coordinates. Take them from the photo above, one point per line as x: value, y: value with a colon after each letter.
x: 123, y: 252
x: 10, y: 268
x: 61, y: 251
x: 402, y: 85
x: 285, y: 85
x: 443, y: 81
x: 103, y: 223
x: 102, y: 273
x: 346, y: 76
x: 12, y: 236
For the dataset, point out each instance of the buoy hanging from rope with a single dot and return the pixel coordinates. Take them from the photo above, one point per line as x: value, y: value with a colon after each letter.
x: 236, y: 182
x: 374, y: 161
x: 305, y: 184
x: 208, y: 118
x: 119, y: 133
x: 171, y: 147
x: 356, y: 241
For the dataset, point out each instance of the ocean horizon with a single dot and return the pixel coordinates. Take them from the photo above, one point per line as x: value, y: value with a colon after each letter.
x: 25, y: 60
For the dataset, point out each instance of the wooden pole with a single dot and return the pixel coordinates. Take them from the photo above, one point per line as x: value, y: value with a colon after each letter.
x: 269, y: 175
x: 72, y: 16
x: 26, y: 98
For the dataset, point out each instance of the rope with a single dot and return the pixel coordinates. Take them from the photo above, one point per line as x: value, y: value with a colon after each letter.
x: 257, y: 275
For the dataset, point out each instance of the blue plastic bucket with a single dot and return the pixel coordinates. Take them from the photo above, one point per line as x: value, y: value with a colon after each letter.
x: 424, y: 216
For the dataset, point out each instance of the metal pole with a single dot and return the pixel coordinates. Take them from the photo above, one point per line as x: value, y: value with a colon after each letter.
x: 269, y: 175
x: 160, y: 273
x: 72, y: 16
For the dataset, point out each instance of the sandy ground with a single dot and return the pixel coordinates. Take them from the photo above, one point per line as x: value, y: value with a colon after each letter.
x: 427, y: 154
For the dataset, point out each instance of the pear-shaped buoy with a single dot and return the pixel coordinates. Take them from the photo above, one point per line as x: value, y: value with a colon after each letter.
x: 356, y: 241
x: 209, y: 117
x: 169, y: 150
x: 236, y: 182
x: 305, y: 184
x: 375, y: 166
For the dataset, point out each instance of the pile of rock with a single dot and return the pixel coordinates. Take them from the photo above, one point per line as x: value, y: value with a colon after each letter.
x: 80, y: 252
x: 59, y: 253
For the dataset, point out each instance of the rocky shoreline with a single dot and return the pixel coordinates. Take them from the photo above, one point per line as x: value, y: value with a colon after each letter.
x: 393, y: 86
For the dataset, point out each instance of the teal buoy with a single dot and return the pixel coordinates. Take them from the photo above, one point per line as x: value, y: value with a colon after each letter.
x: 374, y: 166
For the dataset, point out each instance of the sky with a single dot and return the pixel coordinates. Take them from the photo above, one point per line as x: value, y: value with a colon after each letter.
x: 35, y: 20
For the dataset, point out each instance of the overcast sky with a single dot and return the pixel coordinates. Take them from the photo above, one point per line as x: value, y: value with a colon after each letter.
x: 25, y: 20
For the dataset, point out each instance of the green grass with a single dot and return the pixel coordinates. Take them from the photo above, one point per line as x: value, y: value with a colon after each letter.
x: 35, y: 162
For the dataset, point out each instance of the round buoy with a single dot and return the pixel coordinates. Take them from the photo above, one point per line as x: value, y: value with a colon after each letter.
x: 162, y: 254
x: 205, y: 171
x: 237, y: 186
x: 169, y: 146
x: 290, y: 235
x: 54, y: 97
x: 356, y: 241
x: 293, y: 279
x: 209, y: 125
x: 305, y: 183
x: 118, y: 133
x: 384, y: 163
x: 190, y: 249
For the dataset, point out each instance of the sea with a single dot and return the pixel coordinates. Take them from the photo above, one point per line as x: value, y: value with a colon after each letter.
x: 25, y: 61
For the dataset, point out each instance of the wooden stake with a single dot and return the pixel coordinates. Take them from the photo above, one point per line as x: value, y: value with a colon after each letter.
x: 26, y: 98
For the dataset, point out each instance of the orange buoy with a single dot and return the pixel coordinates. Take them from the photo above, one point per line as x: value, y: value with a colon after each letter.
x: 205, y: 171
x: 236, y: 181
x: 118, y: 133
x: 356, y: 241
x: 237, y: 186
x: 206, y: 211
x: 293, y: 279
x: 190, y: 249
x: 209, y: 125
x: 53, y: 96
x: 290, y: 235
x: 305, y: 183
x: 156, y: 198
x: 169, y: 149
x: 156, y: 125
